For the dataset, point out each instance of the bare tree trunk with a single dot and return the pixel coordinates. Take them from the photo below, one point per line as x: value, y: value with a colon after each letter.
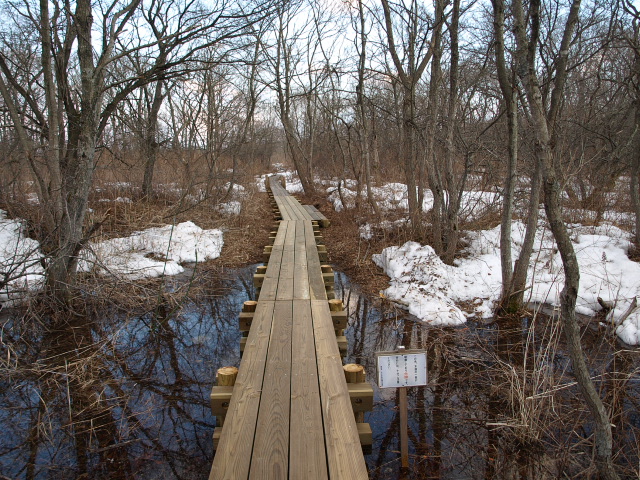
x: 283, y: 73
x: 635, y: 166
x: 433, y: 171
x: 451, y: 232
x: 409, y: 75
x: 409, y: 152
x: 365, y: 145
x: 509, y: 191
x: 515, y: 299
x: 634, y: 188
x: 514, y: 278
x: 78, y: 167
x: 252, y: 101
x: 543, y: 123
x: 151, y: 141
x: 510, y: 101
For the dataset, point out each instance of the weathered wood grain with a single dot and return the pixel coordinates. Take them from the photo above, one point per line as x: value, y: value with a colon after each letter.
x: 344, y: 454
x: 307, y: 455
x: 236, y: 441
x: 270, y: 460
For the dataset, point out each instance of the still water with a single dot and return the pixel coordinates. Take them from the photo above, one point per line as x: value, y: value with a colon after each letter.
x: 126, y: 396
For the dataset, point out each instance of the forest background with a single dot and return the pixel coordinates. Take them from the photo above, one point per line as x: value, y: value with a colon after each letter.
x: 182, y: 100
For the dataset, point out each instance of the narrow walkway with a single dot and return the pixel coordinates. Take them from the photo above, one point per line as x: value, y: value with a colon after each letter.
x: 290, y: 415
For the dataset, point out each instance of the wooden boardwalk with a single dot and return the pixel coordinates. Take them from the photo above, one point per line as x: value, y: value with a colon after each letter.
x: 290, y: 415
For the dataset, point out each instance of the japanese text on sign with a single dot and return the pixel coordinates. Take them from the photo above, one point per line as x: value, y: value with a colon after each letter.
x: 402, y: 369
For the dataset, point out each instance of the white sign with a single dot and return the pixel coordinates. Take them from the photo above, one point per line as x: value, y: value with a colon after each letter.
x: 402, y: 369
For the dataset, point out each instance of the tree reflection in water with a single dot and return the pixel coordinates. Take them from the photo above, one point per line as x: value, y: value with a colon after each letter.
x: 500, y: 404
x: 118, y: 396
x: 123, y: 397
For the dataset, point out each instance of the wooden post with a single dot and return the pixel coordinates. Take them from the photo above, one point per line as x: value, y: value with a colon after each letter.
x: 225, y: 377
x: 336, y: 305
x: 404, y: 436
x: 403, y: 406
x: 354, y: 373
x: 249, y: 306
x: 261, y: 270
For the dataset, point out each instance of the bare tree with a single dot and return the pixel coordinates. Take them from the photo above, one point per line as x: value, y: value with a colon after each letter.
x: 543, y: 119
x: 417, y: 49
x: 80, y: 91
x: 284, y: 59
x: 514, y: 278
x: 633, y: 40
x: 365, y: 134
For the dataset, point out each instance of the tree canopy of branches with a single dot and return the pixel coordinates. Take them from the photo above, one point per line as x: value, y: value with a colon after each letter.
x: 89, y: 58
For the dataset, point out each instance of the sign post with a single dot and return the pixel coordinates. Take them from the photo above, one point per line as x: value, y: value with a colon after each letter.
x: 404, y: 427
x: 401, y: 369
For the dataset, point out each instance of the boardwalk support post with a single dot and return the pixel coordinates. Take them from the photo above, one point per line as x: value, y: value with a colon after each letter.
x: 337, y: 306
x: 361, y: 395
x: 221, y: 397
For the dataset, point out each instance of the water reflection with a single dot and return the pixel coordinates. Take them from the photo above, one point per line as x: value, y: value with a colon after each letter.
x: 118, y: 396
x: 500, y: 404
x: 126, y: 396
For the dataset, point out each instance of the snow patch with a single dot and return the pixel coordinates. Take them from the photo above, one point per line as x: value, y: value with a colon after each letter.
x: 230, y: 208
x: 153, y: 252
x: 419, y: 279
x: 420, y: 282
x: 21, y: 271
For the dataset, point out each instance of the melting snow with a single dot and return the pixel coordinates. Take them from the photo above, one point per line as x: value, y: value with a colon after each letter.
x: 149, y: 253
x: 429, y: 288
x: 20, y: 269
x: 154, y: 252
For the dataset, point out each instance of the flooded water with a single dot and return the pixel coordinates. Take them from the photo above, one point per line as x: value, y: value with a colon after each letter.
x: 127, y: 396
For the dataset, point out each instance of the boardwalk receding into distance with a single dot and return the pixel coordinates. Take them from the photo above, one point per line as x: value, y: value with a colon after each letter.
x: 290, y: 415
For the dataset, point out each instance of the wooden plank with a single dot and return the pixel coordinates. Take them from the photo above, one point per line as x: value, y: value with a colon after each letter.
x: 236, y: 442
x: 269, y: 287
x: 300, y: 211
x: 285, y: 209
x: 310, y: 210
x: 301, y: 275
x: 276, y: 186
x: 285, y: 206
x: 304, y: 212
x: 316, y: 282
x: 318, y: 216
x: 285, y: 280
x: 307, y: 456
x: 344, y: 453
x: 270, y: 458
